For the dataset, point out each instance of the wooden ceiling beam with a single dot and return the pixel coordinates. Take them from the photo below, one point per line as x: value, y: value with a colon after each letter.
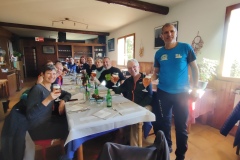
x: 5, y: 24
x: 140, y: 5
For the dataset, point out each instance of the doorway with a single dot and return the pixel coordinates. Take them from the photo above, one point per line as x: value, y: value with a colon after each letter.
x: 30, y: 59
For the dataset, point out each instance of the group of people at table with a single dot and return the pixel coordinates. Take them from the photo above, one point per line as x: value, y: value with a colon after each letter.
x: 33, y: 115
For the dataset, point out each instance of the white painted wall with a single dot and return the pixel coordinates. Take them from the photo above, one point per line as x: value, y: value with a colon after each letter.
x: 205, y: 16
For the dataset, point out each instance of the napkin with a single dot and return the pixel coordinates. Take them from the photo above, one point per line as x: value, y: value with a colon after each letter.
x: 76, y: 102
x: 75, y: 108
x: 105, y: 113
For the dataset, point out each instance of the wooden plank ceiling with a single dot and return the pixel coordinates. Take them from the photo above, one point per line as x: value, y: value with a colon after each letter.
x: 129, y: 3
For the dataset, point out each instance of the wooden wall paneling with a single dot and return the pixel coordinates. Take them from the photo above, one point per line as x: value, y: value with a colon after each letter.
x: 234, y: 86
x: 5, y: 33
x: 30, y: 65
x: 224, y: 102
x: 146, y: 67
x: 42, y: 58
x: 222, y: 97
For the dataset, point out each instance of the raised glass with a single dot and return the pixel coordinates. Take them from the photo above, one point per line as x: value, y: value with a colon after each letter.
x: 56, y: 88
x: 146, y: 82
x: 115, y: 79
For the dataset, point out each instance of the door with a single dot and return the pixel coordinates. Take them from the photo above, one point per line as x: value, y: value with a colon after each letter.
x: 30, y: 59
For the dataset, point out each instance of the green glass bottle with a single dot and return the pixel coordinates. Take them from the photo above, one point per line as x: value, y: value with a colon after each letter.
x: 96, y: 92
x: 109, y: 99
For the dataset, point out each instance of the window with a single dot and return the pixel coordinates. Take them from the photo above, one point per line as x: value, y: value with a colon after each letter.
x: 231, y: 50
x: 126, y: 47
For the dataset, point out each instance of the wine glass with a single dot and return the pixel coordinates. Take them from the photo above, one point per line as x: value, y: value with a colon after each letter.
x: 115, y: 79
x: 146, y: 82
x: 56, y: 87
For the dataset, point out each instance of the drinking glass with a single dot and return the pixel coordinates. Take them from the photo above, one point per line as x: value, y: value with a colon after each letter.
x: 79, y: 81
x: 94, y: 73
x: 146, y: 82
x: 56, y: 87
x: 115, y: 79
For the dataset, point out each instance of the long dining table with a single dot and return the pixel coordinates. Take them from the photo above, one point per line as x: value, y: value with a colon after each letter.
x: 88, y: 119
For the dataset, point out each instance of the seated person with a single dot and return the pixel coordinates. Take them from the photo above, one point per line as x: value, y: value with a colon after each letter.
x: 91, y: 66
x: 72, y: 66
x: 99, y: 67
x: 42, y: 124
x: 35, y: 116
x: 65, y: 63
x: 59, y: 69
x: 40, y: 78
x: 107, y: 73
x: 82, y: 65
x: 132, y: 89
x: 65, y: 71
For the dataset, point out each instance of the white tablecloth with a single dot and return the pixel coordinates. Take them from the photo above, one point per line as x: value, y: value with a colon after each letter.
x: 84, y: 123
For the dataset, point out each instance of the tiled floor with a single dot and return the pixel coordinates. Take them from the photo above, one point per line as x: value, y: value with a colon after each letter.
x: 205, y: 142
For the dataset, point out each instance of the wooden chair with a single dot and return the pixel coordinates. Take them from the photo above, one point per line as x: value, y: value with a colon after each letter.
x: 44, y: 144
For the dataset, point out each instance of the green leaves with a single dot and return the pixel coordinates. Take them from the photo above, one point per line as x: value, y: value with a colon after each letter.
x: 207, y: 69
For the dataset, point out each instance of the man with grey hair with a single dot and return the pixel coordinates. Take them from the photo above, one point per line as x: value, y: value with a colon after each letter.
x: 132, y: 89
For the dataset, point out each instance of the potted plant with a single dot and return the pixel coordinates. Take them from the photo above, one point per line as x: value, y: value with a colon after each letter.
x: 17, y: 55
x: 207, y: 69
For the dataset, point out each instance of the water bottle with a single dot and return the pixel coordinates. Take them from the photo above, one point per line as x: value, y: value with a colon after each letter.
x: 109, y: 99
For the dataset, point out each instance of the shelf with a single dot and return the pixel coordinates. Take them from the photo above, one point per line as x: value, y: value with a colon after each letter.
x: 64, y: 51
x: 77, y: 50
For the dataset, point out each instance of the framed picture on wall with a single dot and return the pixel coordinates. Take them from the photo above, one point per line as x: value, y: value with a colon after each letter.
x: 111, y: 45
x: 48, y: 49
x: 158, y: 42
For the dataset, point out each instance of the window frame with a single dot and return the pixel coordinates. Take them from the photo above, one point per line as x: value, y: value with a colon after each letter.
x: 226, y: 24
x: 133, y: 34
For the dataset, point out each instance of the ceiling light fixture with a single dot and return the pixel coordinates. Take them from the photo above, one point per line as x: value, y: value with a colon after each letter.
x: 67, y: 19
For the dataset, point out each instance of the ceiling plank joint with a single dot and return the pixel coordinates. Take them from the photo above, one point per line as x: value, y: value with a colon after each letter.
x: 140, y: 5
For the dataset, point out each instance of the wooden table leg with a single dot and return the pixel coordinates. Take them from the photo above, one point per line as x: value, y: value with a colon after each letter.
x: 140, y: 134
x: 80, y: 153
